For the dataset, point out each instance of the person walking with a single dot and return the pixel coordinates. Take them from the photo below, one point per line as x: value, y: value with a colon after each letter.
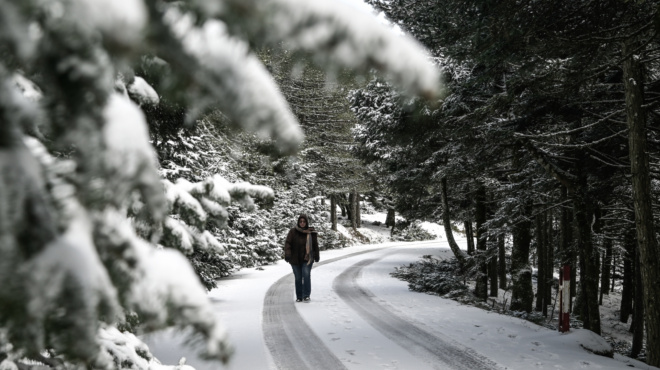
x: 301, y: 250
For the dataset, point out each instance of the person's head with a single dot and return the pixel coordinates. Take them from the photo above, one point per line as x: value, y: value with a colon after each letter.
x: 303, y: 221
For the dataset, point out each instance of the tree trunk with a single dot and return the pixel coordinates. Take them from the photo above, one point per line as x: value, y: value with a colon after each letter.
x: 469, y: 235
x: 637, y: 326
x: 628, y: 284
x: 501, y: 261
x: 390, y: 220
x: 481, y: 286
x: 446, y: 222
x: 589, y: 261
x: 565, y: 238
x: 550, y: 247
x: 342, y: 205
x: 352, y: 201
x: 613, y: 275
x: 492, y: 267
x: 606, y: 269
x: 633, y: 77
x: 541, y: 264
x: 522, y: 295
x: 574, y: 270
x: 350, y: 206
x: 358, y: 212
x: 333, y: 211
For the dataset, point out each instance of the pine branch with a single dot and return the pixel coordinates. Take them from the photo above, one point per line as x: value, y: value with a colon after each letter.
x: 562, y: 176
x: 621, y: 133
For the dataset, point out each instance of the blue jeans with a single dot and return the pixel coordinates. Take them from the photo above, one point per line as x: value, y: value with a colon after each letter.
x: 302, y: 274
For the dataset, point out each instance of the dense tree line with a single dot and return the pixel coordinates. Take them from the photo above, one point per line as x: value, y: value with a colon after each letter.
x: 547, y: 136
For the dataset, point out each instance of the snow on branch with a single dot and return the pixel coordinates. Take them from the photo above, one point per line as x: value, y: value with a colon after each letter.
x: 233, y: 79
x: 120, y: 23
x: 195, y: 204
x: 142, y: 92
x: 161, y: 286
x: 243, y: 192
x: 126, y: 349
x: 180, y: 233
x: 70, y: 264
x: 129, y: 158
x: 181, y: 200
x: 336, y: 35
x: 164, y: 297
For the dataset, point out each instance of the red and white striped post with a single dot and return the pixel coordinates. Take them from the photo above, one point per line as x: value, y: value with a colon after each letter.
x: 564, y: 298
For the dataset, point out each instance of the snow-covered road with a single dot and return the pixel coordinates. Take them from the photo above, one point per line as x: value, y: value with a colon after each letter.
x: 362, y: 318
x: 434, y: 349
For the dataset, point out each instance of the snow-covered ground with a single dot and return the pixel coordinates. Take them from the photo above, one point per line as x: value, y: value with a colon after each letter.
x: 358, y: 341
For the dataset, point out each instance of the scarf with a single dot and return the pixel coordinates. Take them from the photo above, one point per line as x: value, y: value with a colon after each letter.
x: 308, y: 243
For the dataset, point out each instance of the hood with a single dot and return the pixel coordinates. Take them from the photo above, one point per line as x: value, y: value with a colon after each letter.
x: 302, y: 215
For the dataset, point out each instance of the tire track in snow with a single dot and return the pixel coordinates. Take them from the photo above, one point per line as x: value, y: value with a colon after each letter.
x: 442, y: 353
x: 291, y: 342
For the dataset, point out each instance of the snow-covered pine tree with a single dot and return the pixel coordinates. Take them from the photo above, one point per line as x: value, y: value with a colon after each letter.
x: 322, y: 108
x: 82, y: 206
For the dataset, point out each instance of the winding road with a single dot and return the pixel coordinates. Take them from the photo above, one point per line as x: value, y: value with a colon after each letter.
x: 294, y: 344
x: 361, y: 318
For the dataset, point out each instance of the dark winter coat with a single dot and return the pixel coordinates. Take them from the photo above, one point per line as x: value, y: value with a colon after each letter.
x: 294, y: 247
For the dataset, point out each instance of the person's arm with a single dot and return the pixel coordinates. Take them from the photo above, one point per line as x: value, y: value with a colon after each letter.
x: 287, y: 246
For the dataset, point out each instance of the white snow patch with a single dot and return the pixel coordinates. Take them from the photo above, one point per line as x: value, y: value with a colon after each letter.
x: 29, y: 89
x: 433, y: 228
x: 122, y: 21
x: 143, y: 92
x: 126, y: 136
x: 344, y: 231
x: 590, y: 341
x: 6, y: 364
x: 127, y: 349
x: 374, y: 236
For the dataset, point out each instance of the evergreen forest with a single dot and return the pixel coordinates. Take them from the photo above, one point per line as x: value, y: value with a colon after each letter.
x: 546, y: 139
x: 149, y: 148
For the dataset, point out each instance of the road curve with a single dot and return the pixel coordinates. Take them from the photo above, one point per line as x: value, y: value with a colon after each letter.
x: 439, y: 352
x: 291, y: 342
